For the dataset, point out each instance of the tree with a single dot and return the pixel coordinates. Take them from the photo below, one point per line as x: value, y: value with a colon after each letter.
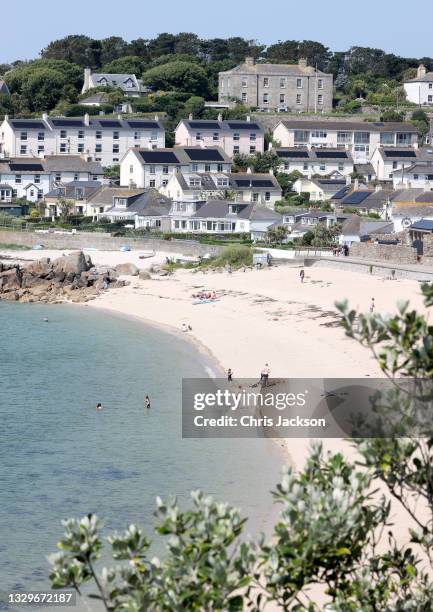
x: 180, y: 76
x: 65, y: 207
x: 128, y: 64
x: 42, y: 89
x: 286, y: 180
x: 77, y: 49
x: 277, y: 235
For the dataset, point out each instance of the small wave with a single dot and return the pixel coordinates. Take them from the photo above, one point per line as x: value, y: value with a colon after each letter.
x: 210, y: 372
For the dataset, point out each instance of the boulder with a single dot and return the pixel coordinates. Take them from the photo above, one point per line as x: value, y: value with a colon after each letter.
x: 10, y: 280
x: 127, y: 269
x: 73, y: 264
x: 144, y: 275
x: 41, y: 268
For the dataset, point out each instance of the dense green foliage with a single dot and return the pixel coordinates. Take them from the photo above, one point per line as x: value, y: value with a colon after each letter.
x: 185, y: 63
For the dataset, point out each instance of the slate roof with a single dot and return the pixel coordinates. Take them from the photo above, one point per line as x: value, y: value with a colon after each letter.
x: 72, y: 163
x: 356, y: 226
x: 349, y: 126
x: 365, y: 169
x: 220, y: 209
x: 275, y: 69
x: 315, y: 154
x: 104, y: 196
x: 181, y: 155
x: 221, y: 126
x: 115, y: 80
x: 424, y: 224
x: 364, y: 198
x: 22, y: 165
x: 418, y: 167
x: 428, y: 78
x: 74, y: 188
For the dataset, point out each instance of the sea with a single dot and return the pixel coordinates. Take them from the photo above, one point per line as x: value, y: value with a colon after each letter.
x: 61, y: 458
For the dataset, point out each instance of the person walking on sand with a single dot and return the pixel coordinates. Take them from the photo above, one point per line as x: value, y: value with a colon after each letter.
x: 229, y: 375
x: 264, y: 375
x: 147, y: 402
x: 372, y: 305
x: 302, y: 275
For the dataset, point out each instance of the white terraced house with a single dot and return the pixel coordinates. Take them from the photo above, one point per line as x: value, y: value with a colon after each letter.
x: 235, y: 137
x: 189, y: 187
x: 359, y: 137
x: 387, y: 160
x: 310, y: 161
x: 100, y: 139
x: 33, y: 178
x: 148, y: 168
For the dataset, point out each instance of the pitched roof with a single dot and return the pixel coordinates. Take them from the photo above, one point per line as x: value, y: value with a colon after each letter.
x: 275, y: 69
x: 347, y: 126
x: 314, y: 154
x: 73, y: 189
x: 4, y: 89
x: 115, y: 80
x: 181, y: 155
x: 225, y: 126
x: 357, y: 226
x: 423, y: 224
x: 427, y: 78
x: 71, y: 163
x: 105, y: 195
x: 364, y: 198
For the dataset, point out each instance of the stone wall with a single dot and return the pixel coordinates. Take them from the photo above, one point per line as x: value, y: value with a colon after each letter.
x: 384, y: 252
x: 102, y: 241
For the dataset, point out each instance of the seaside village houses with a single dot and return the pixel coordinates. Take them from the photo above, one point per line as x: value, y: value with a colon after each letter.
x: 292, y: 87
x: 419, y: 90
x: 98, y: 139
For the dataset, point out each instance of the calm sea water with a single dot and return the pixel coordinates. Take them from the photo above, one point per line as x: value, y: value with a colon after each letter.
x: 60, y: 458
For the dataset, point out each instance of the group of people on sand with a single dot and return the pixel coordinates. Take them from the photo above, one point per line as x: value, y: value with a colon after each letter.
x: 264, y: 375
x: 205, y: 295
x: 341, y: 250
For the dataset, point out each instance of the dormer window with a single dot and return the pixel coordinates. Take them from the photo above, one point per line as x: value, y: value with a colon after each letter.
x: 194, y: 182
x: 120, y: 202
x: 221, y: 182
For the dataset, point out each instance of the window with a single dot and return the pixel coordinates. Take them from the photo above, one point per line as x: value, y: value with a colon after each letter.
x: 267, y: 196
x: 286, y: 165
x: 344, y: 137
x: 63, y: 147
x: 194, y: 167
x: 165, y: 169
x: 76, y: 176
x: 41, y: 148
x: 253, y: 137
x: 319, y: 134
x: 322, y: 168
x: 32, y: 193
x: 430, y: 85
x: 58, y: 177
x: 23, y: 150
x: 131, y: 169
x: 394, y: 165
x: 320, y: 99
x: 265, y: 98
x: 305, y: 166
x: 266, y: 82
x: 299, y: 83
x: 152, y: 183
x: 252, y: 149
x: 23, y: 136
x: 244, y: 81
x: 320, y: 84
x: 387, y: 138
x: 40, y: 194
x: 63, y: 134
x: 244, y: 97
x: 115, y: 148
x: 153, y: 136
x: 236, y: 136
x: 235, y: 149
x: 282, y: 82
x: 282, y: 98
x: 222, y: 182
x: 198, y: 135
x: 41, y: 135
x: 151, y: 169
x: 137, y: 135
x: 430, y: 98
x: 298, y: 99
x: 194, y: 182
x: 164, y: 182
x: 255, y: 197
x: 207, y: 167
x: 415, y: 177
x: 98, y: 147
x: 220, y: 168
x: 18, y: 179
x: 362, y: 137
x: 98, y: 134
x: 80, y: 134
x: 341, y: 167
x: 116, y: 135
x: 37, y: 179
x: 301, y: 136
x: 403, y: 138
x: 80, y: 147
x: 222, y: 84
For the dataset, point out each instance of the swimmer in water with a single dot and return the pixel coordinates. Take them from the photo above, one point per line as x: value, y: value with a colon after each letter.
x: 99, y: 406
x: 147, y: 401
x: 46, y: 319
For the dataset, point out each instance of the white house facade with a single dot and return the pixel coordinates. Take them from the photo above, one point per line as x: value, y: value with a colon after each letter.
x: 154, y: 168
x: 235, y: 137
x: 311, y: 161
x: 420, y: 89
x: 102, y: 140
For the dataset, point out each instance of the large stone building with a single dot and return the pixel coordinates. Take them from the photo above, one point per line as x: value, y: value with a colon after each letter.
x: 297, y: 87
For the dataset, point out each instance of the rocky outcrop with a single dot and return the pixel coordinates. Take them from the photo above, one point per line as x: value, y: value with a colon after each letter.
x: 69, y: 278
x: 127, y: 269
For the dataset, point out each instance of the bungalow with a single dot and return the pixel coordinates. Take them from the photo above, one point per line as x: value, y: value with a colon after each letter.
x: 233, y: 136
x: 153, y: 168
x: 310, y: 161
x: 357, y: 229
x: 365, y: 201
x: 103, y: 199
x: 321, y: 190
x: 77, y: 192
x: 146, y: 210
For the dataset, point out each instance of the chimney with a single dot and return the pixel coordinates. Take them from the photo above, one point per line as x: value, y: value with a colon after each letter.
x: 156, y: 118
x: 248, y: 117
x: 202, y: 145
x: 86, y: 119
x: 87, y: 73
x: 249, y: 171
x: 302, y: 63
x: 220, y: 117
x: 249, y: 61
x: 356, y: 184
x: 378, y: 188
x: 119, y: 117
x: 271, y: 171
x: 190, y: 117
x: 44, y: 116
x: 6, y: 117
x: 421, y: 72
x: 270, y: 146
x: 348, y: 180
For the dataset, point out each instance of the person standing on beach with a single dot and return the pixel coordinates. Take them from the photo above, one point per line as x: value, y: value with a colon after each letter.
x: 147, y: 402
x: 302, y: 275
x: 372, y: 305
x: 264, y: 376
x: 229, y: 375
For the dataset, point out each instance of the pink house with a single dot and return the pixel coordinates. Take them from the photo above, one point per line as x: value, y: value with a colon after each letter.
x: 234, y: 136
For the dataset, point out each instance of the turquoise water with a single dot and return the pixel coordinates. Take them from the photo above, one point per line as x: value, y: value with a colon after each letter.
x: 59, y: 457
